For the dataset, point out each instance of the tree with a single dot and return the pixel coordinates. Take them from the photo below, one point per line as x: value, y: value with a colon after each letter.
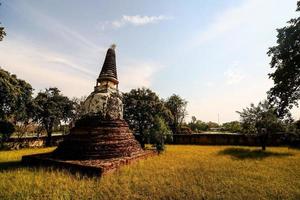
x: 140, y: 108
x: 286, y: 61
x: 159, y: 133
x: 6, y: 129
x: 177, y: 106
x: 211, y: 124
x: 194, y: 119
x: 197, y: 125
x: 78, y: 108
x: 296, y: 127
x: 234, y: 127
x: 2, y: 32
x: 15, y: 102
x: 260, y: 120
x: 15, y: 98
x: 51, y: 108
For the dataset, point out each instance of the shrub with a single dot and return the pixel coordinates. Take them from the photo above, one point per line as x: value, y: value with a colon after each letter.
x: 159, y: 133
x: 6, y: 129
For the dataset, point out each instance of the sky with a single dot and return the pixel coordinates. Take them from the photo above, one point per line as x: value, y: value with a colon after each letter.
x: 213, y: 53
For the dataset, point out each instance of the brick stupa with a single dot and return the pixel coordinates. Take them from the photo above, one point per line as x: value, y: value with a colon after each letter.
x: 102, y: 132
x: 101, y: 140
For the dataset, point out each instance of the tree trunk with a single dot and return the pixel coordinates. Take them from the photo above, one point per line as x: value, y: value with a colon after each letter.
x: 143, y: 143
x: 49, y: 138
x: 49, y: 129
x: 263, y: 147
x: 173, y: 129
x: 263, y: 139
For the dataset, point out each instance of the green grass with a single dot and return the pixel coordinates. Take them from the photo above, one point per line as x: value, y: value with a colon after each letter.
x: 182, y: 172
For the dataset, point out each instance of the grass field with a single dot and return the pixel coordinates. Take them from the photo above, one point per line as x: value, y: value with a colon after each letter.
x: 182, y: 172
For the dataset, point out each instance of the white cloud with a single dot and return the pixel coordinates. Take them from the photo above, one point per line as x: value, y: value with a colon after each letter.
x: 233, y: 74
x: 43, y: 68
x: 143, y: 20
x: 133, y: 74
x: 56, y: 27
x: 209, y: 84
x: 135, y: 20
x: 257, y: 14
x: 226, y: 102
x: 243, y: 32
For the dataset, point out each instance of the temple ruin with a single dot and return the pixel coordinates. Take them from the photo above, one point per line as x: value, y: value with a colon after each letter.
x: 101, y: 138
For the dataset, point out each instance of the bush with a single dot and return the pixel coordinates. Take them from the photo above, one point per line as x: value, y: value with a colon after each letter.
x: 6, y: 129
x: 159, y: 133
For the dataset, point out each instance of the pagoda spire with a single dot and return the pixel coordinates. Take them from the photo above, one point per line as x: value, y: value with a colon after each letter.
x: 109, y: 68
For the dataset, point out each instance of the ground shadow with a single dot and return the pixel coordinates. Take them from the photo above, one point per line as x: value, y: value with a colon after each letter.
x: 243, y: 153
x: 15, y: 165
x: 10, y: 165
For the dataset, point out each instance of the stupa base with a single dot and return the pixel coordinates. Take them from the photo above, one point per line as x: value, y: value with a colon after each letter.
x: 94, y: 167
x: 94, y: 138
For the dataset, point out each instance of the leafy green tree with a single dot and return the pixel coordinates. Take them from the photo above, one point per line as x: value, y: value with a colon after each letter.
x: 194, y: 119
x: 261, y: 120
x: 197, y: 125
x: 177, y: 106
x: 234, y: 126
x: 211, y: 124
x: 51, y: 108
x: 286, y: 61
x: 15, y: 98
x: 15, y: 102
x: 159, y: 133
x: 140, y: 108
x: 2, y: 32
x: 184, y: 129
x: 296, y: 126
x: 6, y: 129
x: 78, y: 108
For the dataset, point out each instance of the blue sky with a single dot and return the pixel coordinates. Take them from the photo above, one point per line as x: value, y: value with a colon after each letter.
x: 211, y: 52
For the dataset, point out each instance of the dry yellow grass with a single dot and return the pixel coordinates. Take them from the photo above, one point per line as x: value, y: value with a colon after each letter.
x: 182, y: 172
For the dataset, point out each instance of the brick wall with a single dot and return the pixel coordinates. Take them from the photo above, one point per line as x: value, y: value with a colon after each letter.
x: 227, y: 139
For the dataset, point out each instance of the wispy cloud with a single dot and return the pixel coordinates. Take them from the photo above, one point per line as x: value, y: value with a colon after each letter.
x: 208, y: 84
x: 57, y: 28
x: 233, y: 74
x: 135, y: 20
x: 251, y: 14
x: 44, y: 68
x: 135, y: 74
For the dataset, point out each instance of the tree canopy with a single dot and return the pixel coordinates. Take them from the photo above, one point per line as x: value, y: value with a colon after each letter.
x: 233, y: 126
x: 6, y: 129
x: 177, y: 106
x: 15, y: 97
x: 159, y: 133
x: 51, y: 108
x: 254, y: 118
x: 2, y: 32
x: 286, y: 61
x: 261, y: 120
x: 197, y: 125
x: 141, y: 106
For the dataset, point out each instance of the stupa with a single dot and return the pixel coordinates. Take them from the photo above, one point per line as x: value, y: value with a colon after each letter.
x: 101, y: 140
x: 101, y: 132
